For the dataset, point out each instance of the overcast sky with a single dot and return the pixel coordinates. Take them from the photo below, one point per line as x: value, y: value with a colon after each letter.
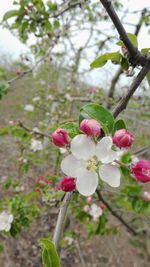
x: 12, y: 47
x: 10, y: 44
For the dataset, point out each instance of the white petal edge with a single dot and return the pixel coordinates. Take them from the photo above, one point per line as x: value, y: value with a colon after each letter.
x: 72, y: 166
x: 87, y: 183
x: 110, y: 174
x: 103, y: 147
x: 82, y: 147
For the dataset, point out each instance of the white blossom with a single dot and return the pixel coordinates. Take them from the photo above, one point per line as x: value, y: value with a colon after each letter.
x: 95, y: 211
x: 29, y: 108
x: 88, y: 161
x: 5, y: 221
x: 36, y: 98
x: 36, y: 145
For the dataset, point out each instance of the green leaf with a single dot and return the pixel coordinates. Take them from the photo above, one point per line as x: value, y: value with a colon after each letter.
x: 145, y: 51
x: 119, y: 124
x: 133, y: 39
x: 72, y: 128
x: 49, y: 254
x: 124, y: 63
x: 9, y: 14
x: 148, y: 77
x: 100, y: 114
x: 102, y: 60
x: 3, y: 88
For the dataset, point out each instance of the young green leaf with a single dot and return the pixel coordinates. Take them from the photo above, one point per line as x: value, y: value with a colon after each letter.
x: 133, y: 39
x: 102, y: 60
x: 9, y: 14
x: 49, y: 254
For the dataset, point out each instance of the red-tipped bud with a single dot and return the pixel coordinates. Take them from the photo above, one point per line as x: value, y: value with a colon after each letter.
x: 60, y: 137
x: 67, y: 184
x: 122, y: 138
x: 141, y: 171
x: 90, y: 127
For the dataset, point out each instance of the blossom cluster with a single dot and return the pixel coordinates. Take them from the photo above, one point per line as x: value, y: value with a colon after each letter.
x: 93, y: 158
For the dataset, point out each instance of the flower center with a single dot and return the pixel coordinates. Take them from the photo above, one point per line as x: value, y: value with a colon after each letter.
x: 92, y: 164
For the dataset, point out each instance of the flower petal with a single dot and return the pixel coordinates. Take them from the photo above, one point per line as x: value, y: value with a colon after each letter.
x: 103, y: 147
x: 71, y: 166
x: 82, y: 147
x: 87, y: 182
x: 111, y: 156
x: 110, y: 174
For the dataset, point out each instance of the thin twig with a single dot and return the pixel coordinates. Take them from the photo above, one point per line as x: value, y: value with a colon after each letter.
x: 61, y: 218
x: 20, y: 124
x: 115, y: 214
x: 80, y: 254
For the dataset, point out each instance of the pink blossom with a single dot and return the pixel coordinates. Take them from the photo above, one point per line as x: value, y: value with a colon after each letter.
x: 141, y: 171
x: 67, y: 184
x: 60, y: 137
x: 102, y: 205
x: 90, y: 200
x: 41, y: 180
x: 90, y: 127
x: 122, y: 138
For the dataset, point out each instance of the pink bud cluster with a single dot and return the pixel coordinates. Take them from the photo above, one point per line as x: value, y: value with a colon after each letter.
x: 122, y: 138
x: 66, y: 184
x: 90, y: 127
x: 141, y: 171
x: 43, y: 181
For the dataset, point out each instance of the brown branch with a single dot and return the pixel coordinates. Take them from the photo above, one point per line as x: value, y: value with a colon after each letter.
x: 137, y: 81
x: 20, y: 124
x: 70, y: 6
x: 120, y: 71
x: 136, y: 58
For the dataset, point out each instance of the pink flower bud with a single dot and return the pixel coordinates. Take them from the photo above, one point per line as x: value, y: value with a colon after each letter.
x: 90, y: 200
x: 141, y: 171
x: 90, y: 127
x: 147, y: 196
x: 102, y: 205
x: 38, y: 190
x: 122, y: 138
x: 60, y: 137
x: 41, y: 180
x: 67, y: 184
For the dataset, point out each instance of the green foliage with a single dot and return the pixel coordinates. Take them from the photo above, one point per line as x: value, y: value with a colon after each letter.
x: 100, y: 114
x: 49, y: 254
x: 133, y: 39
x: 10, y: 14
x: 72, y: 128
x: 102, y: 60
x: 3, y: 88
x: 148, y: 77
x: 24, y: 210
